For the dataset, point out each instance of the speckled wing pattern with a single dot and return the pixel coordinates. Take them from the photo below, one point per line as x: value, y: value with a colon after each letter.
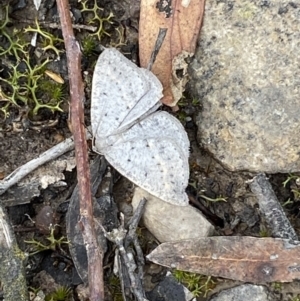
x: 149, y: 148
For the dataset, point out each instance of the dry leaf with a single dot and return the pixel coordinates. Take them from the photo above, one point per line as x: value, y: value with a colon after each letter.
x: 56, y: 77
x: 183, y: 19
x: 2, y: 175
x: 257, y: 260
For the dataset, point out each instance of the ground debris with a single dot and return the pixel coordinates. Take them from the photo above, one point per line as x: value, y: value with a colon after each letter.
x: 243, y: 258
x: 270, y: 207
x: 12, y: 272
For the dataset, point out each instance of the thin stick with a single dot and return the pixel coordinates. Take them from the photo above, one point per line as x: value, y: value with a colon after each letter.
x: 94, y: 255
x: 28, y: 167
x: 75, y: 26
x: 54, y: 152
x: 54, y: 25
x: 271, y: 208
x: 122, y: 238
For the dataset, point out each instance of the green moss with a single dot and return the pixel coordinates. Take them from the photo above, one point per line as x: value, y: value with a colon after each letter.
x: 94, y: 16
x: 293, y: 181
x: 89, y: 45
x: 49, y: 41
x: 203, y: 196
x: 277, y: 286
x: 187, y: 107
x: 53, y: 244
x: 217, y: 199
x: 264, y: 233
x: 55, y: 91
x: 61, y: 294
x: 21, y: 82
x: 183, y: 102
x: 289, y: 179
x: 15, y: 45
x: 23, y: 87
x: 114, y: 286
x: 197, y: 284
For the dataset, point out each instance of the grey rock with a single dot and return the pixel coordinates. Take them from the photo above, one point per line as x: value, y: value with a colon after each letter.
x: 244, y: 292
x: 246, y: 74
x: 168, y: 222
x: 170, y: 290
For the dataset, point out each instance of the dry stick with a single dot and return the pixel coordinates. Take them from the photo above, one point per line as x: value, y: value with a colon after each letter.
x: 132, y: 237
x: 21, y: 172
x: 94, y: 255
x: 58, y: 26
x: 121, y: 237
x: 28, y: 167
x: 271, y: 208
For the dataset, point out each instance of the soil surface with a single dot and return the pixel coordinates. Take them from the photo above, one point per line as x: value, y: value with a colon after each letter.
x: 24, y: 135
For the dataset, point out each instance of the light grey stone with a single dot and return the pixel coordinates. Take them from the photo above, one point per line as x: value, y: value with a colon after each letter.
x: 246, y: 74
x: 169, y: 222
x: 244, y: 292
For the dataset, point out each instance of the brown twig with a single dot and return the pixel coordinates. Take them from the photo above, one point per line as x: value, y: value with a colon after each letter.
x: 95, y: 256
x: 54, y: 25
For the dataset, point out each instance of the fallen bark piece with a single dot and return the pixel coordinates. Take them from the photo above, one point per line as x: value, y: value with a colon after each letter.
x: 270, y: 207
x: 104, y: 212
x: 28, y: 167
x: 169, y: 222
x: 257, y: 260
x: 12, y: 271
x: 32, y: 189
x: 52, y: 173
x: 183, y: 20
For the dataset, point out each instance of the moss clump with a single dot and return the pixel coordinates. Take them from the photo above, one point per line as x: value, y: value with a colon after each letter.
x: 89, y: 45
x: 293, y: 184
x: 55, y: 91
x: 114, y: 286
x: 22, y: 89
x: 23, y: 86
x: 61, y: 294
x: 197, y: 284
x: 49, y: 41
x: 20, y: 80
x: 53, y: 244
x: 14, y: 43
x: 96, y: 17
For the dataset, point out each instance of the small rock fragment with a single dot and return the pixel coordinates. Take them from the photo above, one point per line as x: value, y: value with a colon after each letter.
x: 271, y: 209
x: 168, y: 222
x: 169, y: 290
x: 244, y: 292
x: 45, y: 219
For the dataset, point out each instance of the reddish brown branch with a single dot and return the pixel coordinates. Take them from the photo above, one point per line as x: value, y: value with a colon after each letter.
x: 94, y: 254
